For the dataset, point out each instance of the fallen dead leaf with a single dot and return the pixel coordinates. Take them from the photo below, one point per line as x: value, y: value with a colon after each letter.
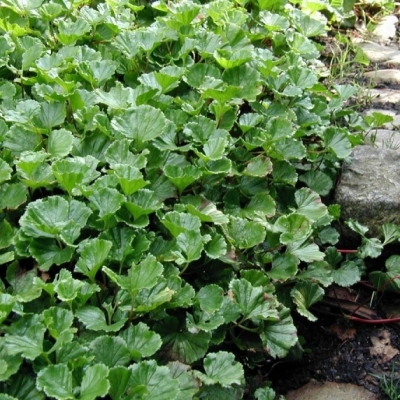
x: 342, y: 332
x: 382, y: 347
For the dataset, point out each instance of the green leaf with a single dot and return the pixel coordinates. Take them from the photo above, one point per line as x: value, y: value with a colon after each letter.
x: 144, y: 275
x: 110, y: 351
x: 245, y: 234
x: 142, y: 202
x: 188, y: 383
x: 59, y: 143
x: 307, y: 25
x: 34, y: 170
x: 55, y: 217
x: 130, y: 178
x: 70, y: 31
x: 370, y: 248
x: 388, y: 280
x: 200, y: 320
x: 299, y: 44
x: 5, y: 171
x: 347, y: 275
x: 119, y: 382
x: 294, y: 227
x: 261, y: 205
x: 33, y: 50
x: 221, y: 368
x: 94, y: 382
x: 274, y: 22
x: 93, y: 253
x: 19, y: 139
x: 337, y: 142
x: 265, y: 393
x: 142, y: 124
x: 328, y: 235
x: 232, y: 59
x: 6, y: 305
x: 207, y: 212
x: 390, y: 231
x: 156, y: 379
x: 30, y: 345
x: 304, y: 295
x: 251, y: 300
x: 284, y: 172
x: 141, y: 341
x: 280, y: 128
x: 121, y: 239
x: 259, y: 166
x: 305, y: 252
x: 245, y: 77
x: 58, y: 320
x: 182, y: 176
x: 310, y: 205
x: 6, y: 234
x: 357, y: 227
x: 216, y: 247
x: 178, y: 223
x: 94, y: 319
x: 198, y: 74
x: 116, y: 98
x: 12, y: 195
x: 9, y: 363
x: 66, y: 287
x: 319, y: 271
x: 317, y: 181
x: 56, y: 381
x: 191, y: 244
x: 210, y: 298
x: 118, y: 153
x: 287, y: 149
x: 107, y: 201
x: 284, y: 267
x: 279, y: 336
x: 51, y: 115
x: 97, y: 72
x: 180, y: 344
x: 24, y: 387
x: 169, y: 77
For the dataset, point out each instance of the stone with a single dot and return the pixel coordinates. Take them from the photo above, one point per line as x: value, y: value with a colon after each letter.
x: 386, y: 29
x: 382, y: 96
x: 394, y: 61
x: 330, y: 391
x: 390, y: 76
x: 384, y: 138
x: 377, y: 53
x: 369, y: 188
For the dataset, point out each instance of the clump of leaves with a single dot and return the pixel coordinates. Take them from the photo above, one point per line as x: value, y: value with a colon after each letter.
x: 162, y: 168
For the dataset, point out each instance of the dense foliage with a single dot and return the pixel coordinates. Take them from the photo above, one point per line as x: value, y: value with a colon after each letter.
x: 161, y: 172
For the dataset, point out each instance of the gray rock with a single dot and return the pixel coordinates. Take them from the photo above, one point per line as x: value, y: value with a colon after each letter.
x: 390, y: 76
x: 381, y: 96
x: 395, y: 60
x: 314, y: 390
x: 377, y: 53
x: 369, y: 190
x: 386, y: 29
x: 384, y: 139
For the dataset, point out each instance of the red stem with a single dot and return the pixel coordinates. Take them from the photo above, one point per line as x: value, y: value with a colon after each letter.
x: 343, y: 251
x: 373, y: 321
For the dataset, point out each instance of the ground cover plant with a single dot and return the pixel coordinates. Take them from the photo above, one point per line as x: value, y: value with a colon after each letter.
x: 165, y: 175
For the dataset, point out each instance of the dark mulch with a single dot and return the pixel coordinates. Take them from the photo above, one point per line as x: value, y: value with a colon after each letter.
x: 329, y: 358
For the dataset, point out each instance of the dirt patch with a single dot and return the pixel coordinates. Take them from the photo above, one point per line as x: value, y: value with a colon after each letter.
x: 340, y: 351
